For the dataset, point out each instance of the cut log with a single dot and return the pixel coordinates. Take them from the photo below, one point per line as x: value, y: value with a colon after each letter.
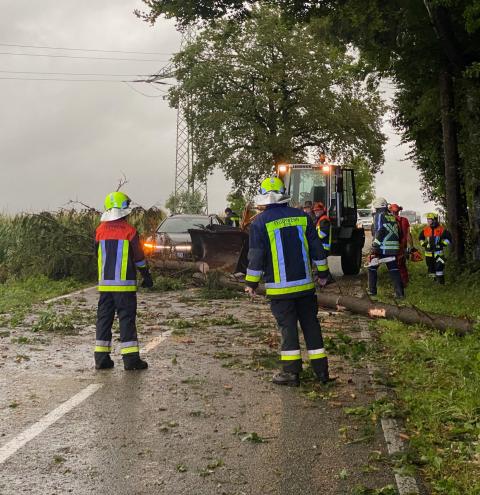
x: 367, y: 307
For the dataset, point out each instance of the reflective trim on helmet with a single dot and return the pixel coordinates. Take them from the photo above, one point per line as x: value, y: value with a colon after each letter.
x: 272, y: 184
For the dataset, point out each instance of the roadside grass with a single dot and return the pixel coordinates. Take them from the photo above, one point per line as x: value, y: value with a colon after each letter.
x: 437, y: 380
x: 458, y: 297
x: 18, y: 296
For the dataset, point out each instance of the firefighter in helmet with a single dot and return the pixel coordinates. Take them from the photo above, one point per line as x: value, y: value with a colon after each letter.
x: 231, y: 218
x: 385, y: 248
x: 324, y: 230
x: 406, y: 242
x: 434, y: 238
x: 283, y: 247
x: 119, y: 255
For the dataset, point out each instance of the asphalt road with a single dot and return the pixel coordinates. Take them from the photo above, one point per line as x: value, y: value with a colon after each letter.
x: 203, y: 419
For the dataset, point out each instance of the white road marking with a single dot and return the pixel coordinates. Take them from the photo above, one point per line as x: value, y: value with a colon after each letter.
x: 40, y: 426
x: 406, y: 484
x: 65, y: 296
x: 156, y: 341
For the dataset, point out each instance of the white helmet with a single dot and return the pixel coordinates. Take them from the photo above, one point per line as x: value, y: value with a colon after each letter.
x: 380, y: 203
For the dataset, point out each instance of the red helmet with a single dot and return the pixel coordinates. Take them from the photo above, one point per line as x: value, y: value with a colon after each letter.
x: 318, y: 206
x: 394, y: 208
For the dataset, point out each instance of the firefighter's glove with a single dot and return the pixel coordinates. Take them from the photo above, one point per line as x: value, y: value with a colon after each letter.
x: 250, y: 292
x: 322, y: 282
x: 147, y: 282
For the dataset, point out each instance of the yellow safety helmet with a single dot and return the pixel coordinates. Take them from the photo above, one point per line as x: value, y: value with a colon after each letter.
x: 432, y: 216
x: 117, y: 205
x: 117, y: 199
x: 272, y: 184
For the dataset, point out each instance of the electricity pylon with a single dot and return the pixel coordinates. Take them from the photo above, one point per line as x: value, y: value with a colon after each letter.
x: 185, y: 153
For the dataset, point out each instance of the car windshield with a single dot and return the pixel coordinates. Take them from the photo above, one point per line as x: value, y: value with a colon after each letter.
x: 364, y: 213
x: 180, y: 225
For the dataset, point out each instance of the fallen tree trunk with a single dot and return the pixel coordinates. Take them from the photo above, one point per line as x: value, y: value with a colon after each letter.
x: 364, y: 306
x: 167, y: 264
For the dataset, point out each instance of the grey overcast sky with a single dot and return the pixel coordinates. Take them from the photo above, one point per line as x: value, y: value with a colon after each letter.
x: 64, y: 141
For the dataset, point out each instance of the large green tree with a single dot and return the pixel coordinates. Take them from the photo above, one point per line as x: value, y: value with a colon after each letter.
x: 186, y: 202
x: 431, y: 50
x: 266, y: 90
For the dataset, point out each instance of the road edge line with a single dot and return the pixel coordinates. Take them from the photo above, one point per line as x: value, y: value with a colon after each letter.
x: 7, y: 450
x: 406, y: 485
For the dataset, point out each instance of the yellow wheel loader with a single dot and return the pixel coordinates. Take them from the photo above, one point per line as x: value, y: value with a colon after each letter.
x: 226, y: 248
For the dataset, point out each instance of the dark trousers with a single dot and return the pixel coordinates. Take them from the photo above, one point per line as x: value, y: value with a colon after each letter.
x: 436, y: 266
x: 303, y: 310
x: 125, y: 305
x: 394, y: 273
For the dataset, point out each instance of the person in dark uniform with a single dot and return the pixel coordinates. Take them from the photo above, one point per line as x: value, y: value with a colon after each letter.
x: 283, y: 247
x: 119, y: 256
x: 385, y: 248
x: 231, y: 218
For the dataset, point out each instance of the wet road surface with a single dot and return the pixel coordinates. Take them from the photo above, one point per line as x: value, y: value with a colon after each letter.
x: 203, y: 419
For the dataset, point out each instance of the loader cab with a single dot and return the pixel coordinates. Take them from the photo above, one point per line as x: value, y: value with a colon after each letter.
x: 334, y: 186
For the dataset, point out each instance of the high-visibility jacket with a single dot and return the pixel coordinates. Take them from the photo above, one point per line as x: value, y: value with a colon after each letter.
x: 434, y: 239
x: 324, y: 230
x: 283, y: 246
x: 232, y: 219
x: 119, y: 253
x: 386, y: 233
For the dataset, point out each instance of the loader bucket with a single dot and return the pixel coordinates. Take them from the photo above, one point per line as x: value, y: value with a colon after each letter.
x: 220, y: 248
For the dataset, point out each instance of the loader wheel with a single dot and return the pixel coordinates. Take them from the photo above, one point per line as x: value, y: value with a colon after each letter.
x: 351, y: 259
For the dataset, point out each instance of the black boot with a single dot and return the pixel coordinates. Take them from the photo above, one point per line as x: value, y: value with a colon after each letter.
x: 397, y: 284
x: 320, y: 367
x: 103, y: 361
x: 133, y: 362
x: 440, y: 279
x: 286, y: 378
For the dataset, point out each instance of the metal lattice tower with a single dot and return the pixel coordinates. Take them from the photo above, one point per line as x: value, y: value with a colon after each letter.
x: 185, y: 153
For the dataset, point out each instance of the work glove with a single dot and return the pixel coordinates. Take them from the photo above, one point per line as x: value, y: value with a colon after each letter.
x: 147, y: 282
x: 374, y: 251
x: 321, y: 282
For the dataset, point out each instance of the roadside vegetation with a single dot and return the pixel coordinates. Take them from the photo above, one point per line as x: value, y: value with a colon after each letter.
x: 47, y: 254
x: 437, y: 377
x: 458, y: 297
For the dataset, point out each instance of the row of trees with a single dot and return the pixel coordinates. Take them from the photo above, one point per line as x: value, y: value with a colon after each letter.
x: 429, y: 49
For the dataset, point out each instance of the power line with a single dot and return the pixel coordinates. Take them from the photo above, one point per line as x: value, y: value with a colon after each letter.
x: 83, y: 49
x: 73, y: 74
x: 141, y: 92
x: 83, y: 57
x: 64, y: 80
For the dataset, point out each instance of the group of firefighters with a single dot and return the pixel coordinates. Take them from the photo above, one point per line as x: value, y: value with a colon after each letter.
x: 392, y: 243
x: 288, y: 249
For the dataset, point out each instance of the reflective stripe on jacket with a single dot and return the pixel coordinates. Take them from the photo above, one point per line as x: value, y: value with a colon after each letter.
x: 386, y: 233
x: 283, y: 245
x: 118, y: 254
x: 434, y: 239
x: 232, y: 219
x: 324, y: 230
